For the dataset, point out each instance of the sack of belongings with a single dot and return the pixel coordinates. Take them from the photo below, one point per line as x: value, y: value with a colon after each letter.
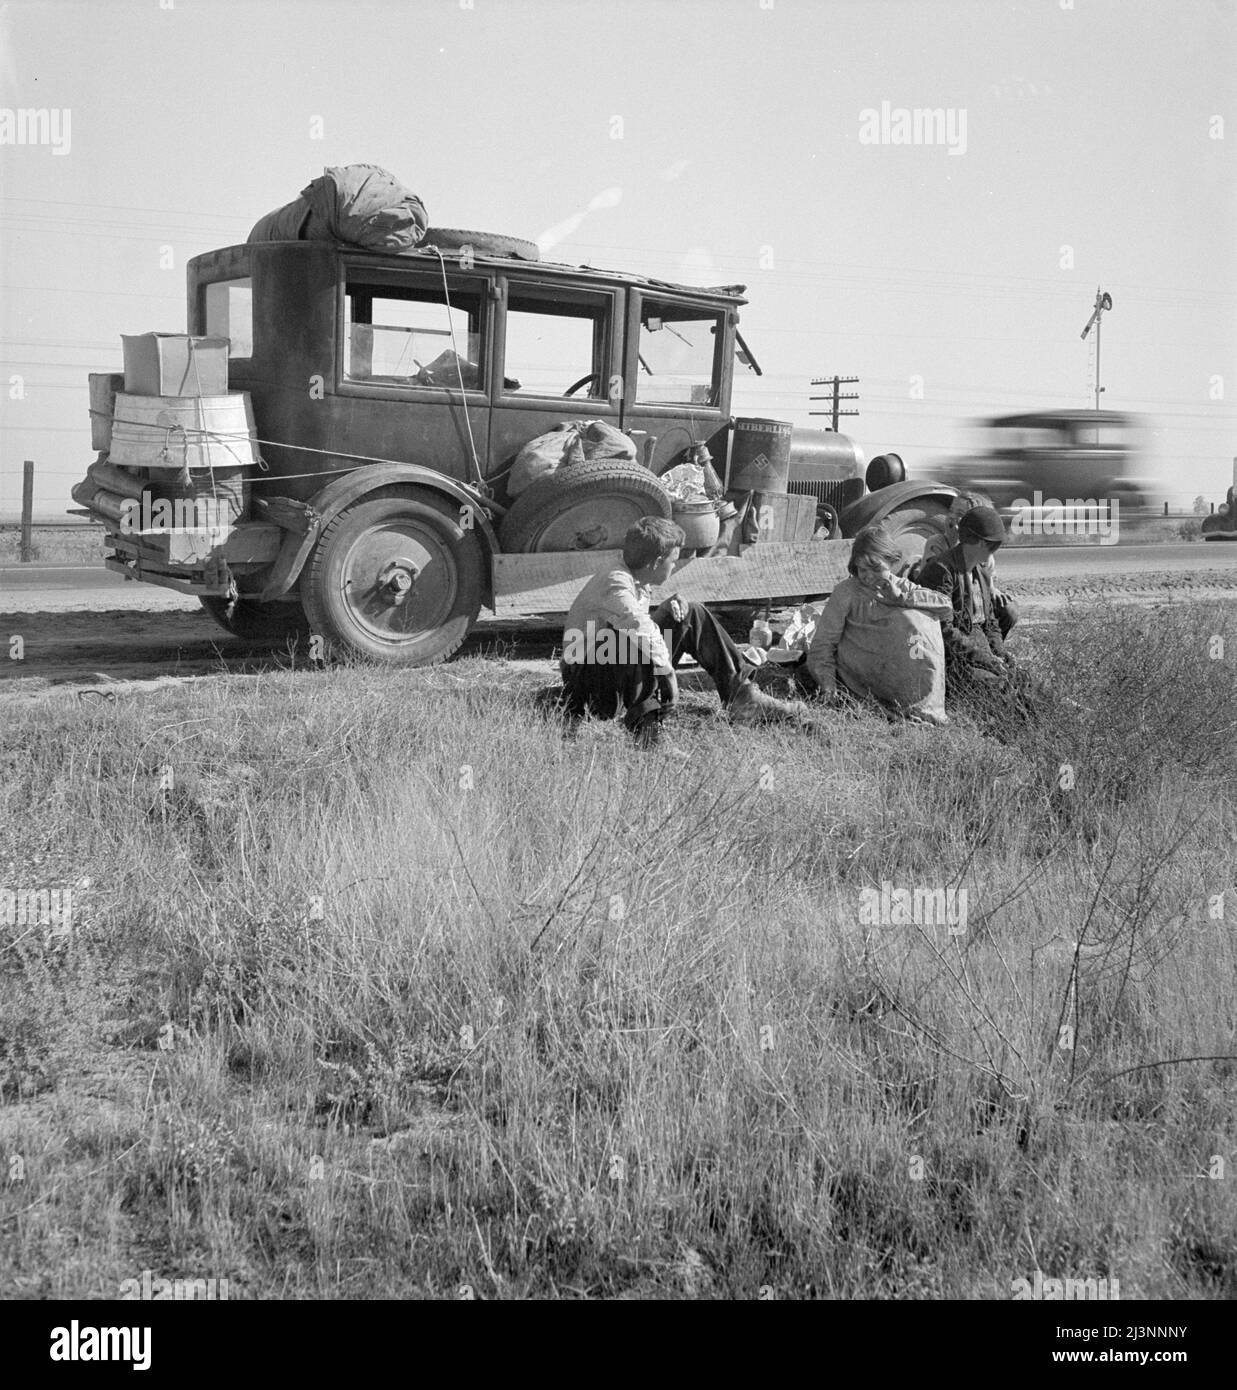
x: 574, y: 441
x: 357, y: 203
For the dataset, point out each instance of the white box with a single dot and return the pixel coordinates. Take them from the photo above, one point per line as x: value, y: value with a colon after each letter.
x: 174, y: 364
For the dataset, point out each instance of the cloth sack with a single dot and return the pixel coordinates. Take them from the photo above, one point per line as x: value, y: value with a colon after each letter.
x: 570, y: 441
x: 356, y: 203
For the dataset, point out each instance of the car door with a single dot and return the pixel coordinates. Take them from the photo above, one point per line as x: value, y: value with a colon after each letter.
x: 677, y: 372
x: 556, y: 350
x: 413, y: 378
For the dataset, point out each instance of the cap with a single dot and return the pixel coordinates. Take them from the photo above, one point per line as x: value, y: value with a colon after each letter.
x: 982, y: 524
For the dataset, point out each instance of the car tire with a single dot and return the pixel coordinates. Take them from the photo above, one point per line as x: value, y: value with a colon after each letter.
x: 349, y: 583
x: 914, y: 524
x: 583, y: 506
x: 481, y: 243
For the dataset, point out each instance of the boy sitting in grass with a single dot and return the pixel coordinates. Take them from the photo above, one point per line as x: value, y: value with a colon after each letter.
x: 618, y: 657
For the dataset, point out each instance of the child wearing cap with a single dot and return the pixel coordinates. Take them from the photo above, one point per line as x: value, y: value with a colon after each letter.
x: 977, y: 666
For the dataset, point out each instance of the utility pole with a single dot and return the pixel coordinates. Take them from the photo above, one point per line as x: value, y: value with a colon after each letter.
x: 1102, y: 301
x: 838, y: 395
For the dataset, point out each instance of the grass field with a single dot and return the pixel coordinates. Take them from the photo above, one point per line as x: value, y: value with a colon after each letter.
x: 377, y: 985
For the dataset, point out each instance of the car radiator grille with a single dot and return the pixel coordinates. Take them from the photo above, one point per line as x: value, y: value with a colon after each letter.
x: 838, y: 494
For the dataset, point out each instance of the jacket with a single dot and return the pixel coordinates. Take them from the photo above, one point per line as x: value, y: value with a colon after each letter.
x: 969, y: 640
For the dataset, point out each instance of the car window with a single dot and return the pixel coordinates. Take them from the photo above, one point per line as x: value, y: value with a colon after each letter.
x: 1106, y: 436
x: 555, y: 342
x: 229, y: 314
x: 679, y: 361
x: 411, y: 336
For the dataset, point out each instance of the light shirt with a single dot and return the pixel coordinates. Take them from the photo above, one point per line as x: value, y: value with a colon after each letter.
x: 613, y: 598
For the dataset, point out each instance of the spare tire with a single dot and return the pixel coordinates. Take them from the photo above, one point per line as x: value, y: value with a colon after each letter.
x: 482, y: 243
x: 583, y: 506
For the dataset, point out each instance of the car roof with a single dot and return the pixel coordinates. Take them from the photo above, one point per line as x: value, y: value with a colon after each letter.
x: 1048, y: 419
x: 732, y: 294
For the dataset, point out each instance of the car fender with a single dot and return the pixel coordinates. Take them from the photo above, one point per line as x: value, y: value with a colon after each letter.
x: 877, y: 505
x: 343, y: 491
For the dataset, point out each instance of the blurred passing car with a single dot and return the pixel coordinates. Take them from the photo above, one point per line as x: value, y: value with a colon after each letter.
x: 1061, y: 454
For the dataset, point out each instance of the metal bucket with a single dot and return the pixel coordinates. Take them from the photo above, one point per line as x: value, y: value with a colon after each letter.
x: 760, y: 456
x: 700, y: 524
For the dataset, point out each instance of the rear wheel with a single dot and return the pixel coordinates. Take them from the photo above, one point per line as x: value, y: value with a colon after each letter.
x: 257, y: 622
x: 395, y: 578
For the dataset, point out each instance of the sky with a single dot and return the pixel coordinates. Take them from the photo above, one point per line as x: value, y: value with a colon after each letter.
x: 1088, y: 143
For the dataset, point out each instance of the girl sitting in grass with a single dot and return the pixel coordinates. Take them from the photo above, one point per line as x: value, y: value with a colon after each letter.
x: 879, y: 636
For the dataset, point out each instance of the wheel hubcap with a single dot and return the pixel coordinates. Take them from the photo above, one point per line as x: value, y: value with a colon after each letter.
x: 399, y: 579
x: 600, y: 523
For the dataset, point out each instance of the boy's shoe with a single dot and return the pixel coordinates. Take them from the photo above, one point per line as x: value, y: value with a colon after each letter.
x: 750, y: 705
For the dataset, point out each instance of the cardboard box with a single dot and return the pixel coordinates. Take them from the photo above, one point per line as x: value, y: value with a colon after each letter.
x: 103, y: 389
x: 174, y: 364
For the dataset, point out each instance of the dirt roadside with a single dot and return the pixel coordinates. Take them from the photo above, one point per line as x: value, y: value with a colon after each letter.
x: 78, y: 640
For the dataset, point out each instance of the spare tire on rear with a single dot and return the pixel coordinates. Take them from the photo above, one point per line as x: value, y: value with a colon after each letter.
x: 583, y: 506
x: 482, y: 243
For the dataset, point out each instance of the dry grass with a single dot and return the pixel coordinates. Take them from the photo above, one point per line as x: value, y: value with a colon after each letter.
x: 395, y: 990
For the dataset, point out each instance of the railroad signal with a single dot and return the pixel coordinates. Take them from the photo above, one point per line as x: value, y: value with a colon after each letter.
x: 1102, y: 301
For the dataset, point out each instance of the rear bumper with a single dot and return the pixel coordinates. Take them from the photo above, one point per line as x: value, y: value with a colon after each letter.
x: 193, y: 562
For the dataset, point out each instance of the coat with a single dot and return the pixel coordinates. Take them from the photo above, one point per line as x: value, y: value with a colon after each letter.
x: 969, y: 640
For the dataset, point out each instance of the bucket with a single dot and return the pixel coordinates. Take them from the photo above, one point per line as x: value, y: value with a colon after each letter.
x: 760, y: 456
x: 701, y: 527
x: 183, y: 431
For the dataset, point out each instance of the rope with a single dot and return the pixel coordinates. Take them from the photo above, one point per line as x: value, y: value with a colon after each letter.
x: 480, y: 484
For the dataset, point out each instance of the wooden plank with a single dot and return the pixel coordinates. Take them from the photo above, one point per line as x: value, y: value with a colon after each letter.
x: 767, y: 571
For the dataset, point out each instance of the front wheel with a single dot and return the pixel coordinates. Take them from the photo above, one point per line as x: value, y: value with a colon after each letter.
x: 918, y: 526
x: 395, y: 578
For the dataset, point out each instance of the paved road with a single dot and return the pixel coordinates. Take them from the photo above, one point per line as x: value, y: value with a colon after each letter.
x: 57, y: 577
x: 1048, y: 561
x: 1017, y: 562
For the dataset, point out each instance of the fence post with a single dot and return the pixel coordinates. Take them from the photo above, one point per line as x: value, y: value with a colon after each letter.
x: 27, y: 507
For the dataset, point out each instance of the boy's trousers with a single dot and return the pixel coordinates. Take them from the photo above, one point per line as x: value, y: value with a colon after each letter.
x: 602, y: 689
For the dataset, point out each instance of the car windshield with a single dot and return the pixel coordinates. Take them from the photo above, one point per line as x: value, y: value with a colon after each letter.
x: 679, y: 361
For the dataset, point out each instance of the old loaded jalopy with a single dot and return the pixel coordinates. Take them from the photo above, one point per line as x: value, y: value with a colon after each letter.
x: 374, y: 405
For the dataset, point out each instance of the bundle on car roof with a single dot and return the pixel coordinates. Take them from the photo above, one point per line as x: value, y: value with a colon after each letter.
x: 367, y: 206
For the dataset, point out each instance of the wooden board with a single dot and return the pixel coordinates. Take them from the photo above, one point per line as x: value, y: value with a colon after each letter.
x: 769, y: 570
